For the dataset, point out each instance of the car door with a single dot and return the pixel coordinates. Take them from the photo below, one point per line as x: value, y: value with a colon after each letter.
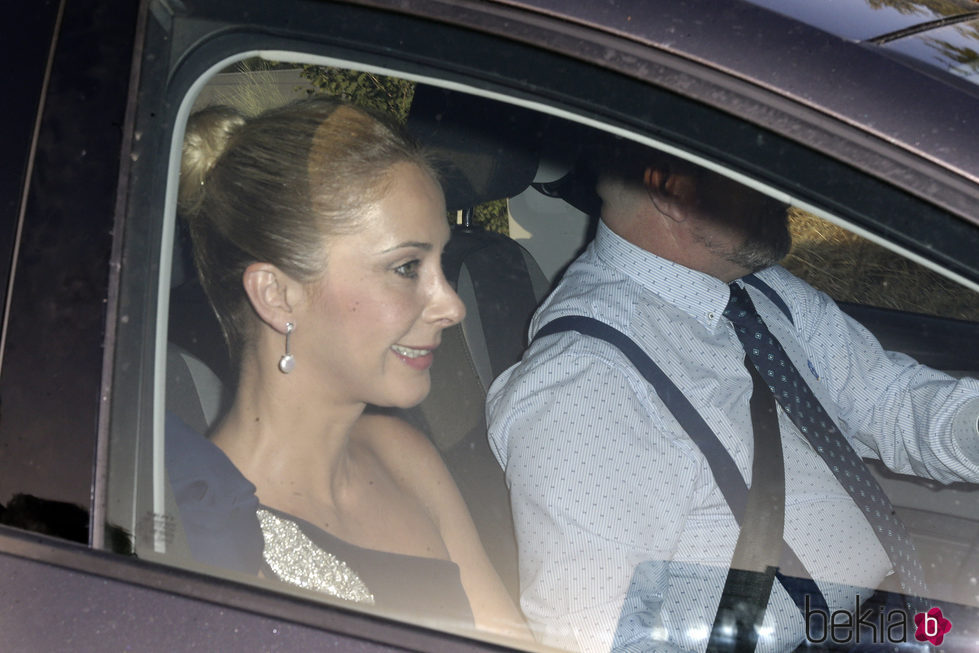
x: 97, y: 300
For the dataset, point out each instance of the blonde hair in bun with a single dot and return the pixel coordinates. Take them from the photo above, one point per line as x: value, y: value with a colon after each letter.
x: 274, y: 187
x: 207, y: 135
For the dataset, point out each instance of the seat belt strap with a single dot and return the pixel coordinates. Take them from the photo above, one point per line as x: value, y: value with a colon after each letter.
x: 770, y: 293
x: 798, y: 587
x: 750, y: 577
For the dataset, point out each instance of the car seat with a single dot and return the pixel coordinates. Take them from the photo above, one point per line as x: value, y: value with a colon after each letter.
x: 482, y: 154
x: 501, y: 286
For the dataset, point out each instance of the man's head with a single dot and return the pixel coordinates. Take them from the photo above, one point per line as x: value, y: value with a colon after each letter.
x: 691, y: 215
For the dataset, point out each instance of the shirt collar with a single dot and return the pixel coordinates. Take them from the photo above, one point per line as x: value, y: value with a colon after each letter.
x: 700, y: 295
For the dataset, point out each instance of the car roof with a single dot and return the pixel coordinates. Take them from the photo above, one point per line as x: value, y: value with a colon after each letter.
x: 854, y: 60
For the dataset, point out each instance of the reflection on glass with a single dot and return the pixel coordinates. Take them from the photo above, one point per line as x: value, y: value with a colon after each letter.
x: 954, y: 49
x: 867, y: 19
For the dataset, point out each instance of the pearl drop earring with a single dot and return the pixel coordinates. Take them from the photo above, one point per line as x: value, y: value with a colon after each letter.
x: 287, y: 362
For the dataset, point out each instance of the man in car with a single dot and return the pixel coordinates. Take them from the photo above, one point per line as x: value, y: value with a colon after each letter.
x: 625, y: 536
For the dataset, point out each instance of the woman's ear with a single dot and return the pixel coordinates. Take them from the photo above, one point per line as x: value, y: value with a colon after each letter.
x: 273, y: 294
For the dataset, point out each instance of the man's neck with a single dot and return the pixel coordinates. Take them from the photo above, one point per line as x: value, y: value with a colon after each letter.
x: 679, y: 245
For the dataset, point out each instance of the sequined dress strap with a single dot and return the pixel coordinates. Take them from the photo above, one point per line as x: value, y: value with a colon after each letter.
x: 304, y: 555
x: 296, y: 559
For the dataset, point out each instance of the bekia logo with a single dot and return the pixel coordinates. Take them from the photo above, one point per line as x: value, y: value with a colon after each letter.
x: 874, y: 625
x: 931, y: 626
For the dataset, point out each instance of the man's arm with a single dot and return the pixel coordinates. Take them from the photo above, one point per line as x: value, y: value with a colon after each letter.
x: 915, y: 419
x: 598, y: 487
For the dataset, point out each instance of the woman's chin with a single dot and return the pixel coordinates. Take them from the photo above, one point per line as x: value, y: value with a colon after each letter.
x: 409, y: 397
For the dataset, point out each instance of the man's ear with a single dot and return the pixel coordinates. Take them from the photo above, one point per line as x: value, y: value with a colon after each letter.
x: 273, y: 294
x: 668, y: 192
x: 655, y: 178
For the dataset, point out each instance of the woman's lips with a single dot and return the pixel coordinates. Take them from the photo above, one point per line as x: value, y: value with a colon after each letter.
x: 413, y: 357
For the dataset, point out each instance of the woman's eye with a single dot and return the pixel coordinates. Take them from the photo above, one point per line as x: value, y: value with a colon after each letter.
x: 408, y: 270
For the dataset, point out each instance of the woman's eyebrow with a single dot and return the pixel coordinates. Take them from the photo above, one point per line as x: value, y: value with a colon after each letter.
x: 409, y: 243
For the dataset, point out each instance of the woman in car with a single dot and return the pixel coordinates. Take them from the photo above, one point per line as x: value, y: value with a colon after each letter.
x: 318, y: 230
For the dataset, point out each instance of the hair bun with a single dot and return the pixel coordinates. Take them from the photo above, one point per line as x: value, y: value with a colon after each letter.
x: 206, y: 138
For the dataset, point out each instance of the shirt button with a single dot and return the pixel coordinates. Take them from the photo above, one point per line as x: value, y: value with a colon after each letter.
x: 710, y: 316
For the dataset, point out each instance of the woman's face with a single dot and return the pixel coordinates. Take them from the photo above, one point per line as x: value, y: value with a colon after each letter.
x: 373, y: 322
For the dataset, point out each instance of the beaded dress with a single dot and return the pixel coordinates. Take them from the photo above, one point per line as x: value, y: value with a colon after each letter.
x: 227, y: 527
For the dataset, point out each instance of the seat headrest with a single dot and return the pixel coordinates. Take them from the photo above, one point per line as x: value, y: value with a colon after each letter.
x: 481, y: 152
x: 577, y: 188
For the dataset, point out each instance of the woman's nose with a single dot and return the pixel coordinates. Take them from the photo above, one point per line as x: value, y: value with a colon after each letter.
x: 446, y: 305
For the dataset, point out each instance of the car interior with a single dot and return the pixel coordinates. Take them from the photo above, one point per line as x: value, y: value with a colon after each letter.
x: 490, y: 151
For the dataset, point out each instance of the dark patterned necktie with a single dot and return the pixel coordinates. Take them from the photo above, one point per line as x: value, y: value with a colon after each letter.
x: 801, y: 405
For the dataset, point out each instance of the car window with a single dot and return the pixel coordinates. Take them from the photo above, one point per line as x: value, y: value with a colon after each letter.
x: 519, y: 174
x: 855, y: 270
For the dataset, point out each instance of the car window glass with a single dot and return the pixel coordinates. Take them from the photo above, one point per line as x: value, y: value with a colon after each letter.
x: 519, y: 185
x: 855, y: 270
x: 951, y: 48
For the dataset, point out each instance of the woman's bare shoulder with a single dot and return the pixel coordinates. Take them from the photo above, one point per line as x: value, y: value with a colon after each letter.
x: 397, y: 444
x: 411, y: 459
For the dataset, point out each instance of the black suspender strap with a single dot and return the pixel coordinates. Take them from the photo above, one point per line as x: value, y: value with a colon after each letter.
x: 757, y: 526
x: 721, y: 464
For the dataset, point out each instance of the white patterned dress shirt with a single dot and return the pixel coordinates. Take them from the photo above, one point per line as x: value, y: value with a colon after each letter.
x: 603, y: 479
